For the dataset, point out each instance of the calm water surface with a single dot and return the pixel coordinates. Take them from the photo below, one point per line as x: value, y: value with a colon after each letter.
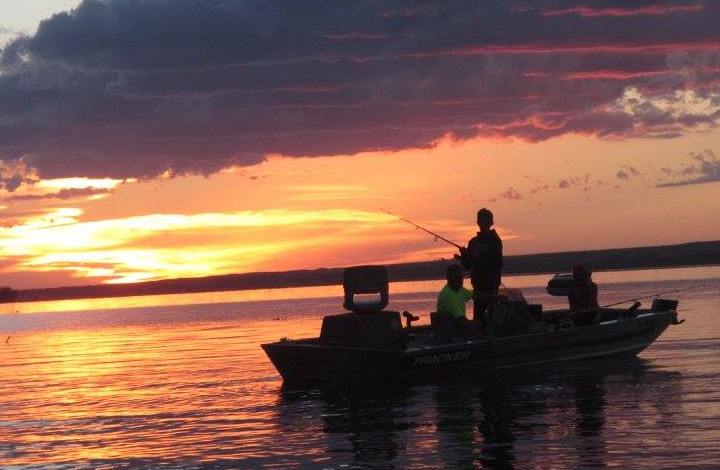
x: 180, y: 382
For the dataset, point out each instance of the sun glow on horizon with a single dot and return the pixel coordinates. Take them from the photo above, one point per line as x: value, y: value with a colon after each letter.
x: 190, y: 226
x: 161, y: 246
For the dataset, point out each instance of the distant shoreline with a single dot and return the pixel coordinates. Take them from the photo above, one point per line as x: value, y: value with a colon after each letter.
x: 637, y: 268
x: 653, y: 257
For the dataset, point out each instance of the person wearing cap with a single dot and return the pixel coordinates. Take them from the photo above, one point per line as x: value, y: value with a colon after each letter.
x: 452, y: 298
x: 483, y: 257
x: 583, y: 296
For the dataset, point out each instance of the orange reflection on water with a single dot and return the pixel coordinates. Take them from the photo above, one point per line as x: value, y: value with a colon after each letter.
x: 177, y: 299
x: 188, y: 391
x: 134, y: 392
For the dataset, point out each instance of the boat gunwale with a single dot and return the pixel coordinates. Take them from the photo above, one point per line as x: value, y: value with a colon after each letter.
x: 415, y: 350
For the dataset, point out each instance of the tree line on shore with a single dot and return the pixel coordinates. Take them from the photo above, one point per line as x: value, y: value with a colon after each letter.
x: 689, y: 254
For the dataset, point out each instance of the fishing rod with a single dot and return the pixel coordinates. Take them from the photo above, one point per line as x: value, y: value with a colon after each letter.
x: 652, y: 295
x: 633, y: 308
x: 437, y: 237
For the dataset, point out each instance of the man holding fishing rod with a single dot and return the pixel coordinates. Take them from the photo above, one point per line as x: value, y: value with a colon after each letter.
x: 483, y: 257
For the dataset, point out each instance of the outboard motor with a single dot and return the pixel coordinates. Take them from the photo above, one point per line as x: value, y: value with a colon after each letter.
x: 367, y: 325
x: 560, y: 285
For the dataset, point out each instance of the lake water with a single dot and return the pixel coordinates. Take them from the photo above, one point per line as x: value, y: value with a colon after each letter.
x: 180, y: 382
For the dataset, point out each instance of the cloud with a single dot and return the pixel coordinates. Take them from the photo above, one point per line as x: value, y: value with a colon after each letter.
x: 138, y: 89
x: 584, y: 182
x: 158, y: 246
x: 6, y: 34
x: 332, y: 193
x: 61, y: 188
x: 13, y: 173
x: 511, y: 193
x: 707, y: 168
x: 63, y: 194
x: 539, y: 188
x: 146, y: 247
x: 627, y: 172
x: 624, y: 11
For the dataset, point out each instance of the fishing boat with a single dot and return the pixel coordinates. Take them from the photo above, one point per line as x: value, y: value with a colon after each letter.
x: 368, y: 343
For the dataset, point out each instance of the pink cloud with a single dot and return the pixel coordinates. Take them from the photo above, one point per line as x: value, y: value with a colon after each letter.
x: 132, y: 89
x: 649, y: 10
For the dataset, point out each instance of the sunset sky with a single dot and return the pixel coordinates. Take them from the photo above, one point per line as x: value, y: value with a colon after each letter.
x: 148, y: 139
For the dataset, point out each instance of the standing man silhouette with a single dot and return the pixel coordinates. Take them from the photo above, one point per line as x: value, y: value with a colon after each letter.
x: 483, y: 257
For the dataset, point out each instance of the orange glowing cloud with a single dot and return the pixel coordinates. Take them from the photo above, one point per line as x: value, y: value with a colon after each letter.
x: 161, y: 246
x: 168, y: 245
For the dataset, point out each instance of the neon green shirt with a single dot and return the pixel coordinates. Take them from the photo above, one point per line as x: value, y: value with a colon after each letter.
x: 453, y: 302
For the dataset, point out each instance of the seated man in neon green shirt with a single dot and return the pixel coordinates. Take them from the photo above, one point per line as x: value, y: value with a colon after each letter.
x: 453, y: 296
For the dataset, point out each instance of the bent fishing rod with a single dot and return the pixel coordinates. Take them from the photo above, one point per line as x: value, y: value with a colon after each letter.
x: 437, y: 237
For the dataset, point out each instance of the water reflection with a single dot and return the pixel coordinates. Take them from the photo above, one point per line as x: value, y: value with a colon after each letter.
x: 499, y: 418
x: 187, y: 387
x: 555, y: 419
x: 364, y: 428
x: 456, y: 418
x: 590, y: 410
x: 372, y: 427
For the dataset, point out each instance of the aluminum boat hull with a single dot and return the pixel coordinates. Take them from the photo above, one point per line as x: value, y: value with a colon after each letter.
x: 310, y: 360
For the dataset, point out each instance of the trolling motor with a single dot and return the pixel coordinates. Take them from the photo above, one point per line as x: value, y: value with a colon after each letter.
x: 409, y: 318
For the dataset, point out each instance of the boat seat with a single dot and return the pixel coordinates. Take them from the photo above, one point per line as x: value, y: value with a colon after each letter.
x: 380, y: 330
x: 443, y: 326
x: 366, y: 280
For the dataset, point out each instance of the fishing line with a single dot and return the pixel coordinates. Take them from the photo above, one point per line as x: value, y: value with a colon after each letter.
x: 652, y: 295
x: 635, y: 299
x: 437, y: 237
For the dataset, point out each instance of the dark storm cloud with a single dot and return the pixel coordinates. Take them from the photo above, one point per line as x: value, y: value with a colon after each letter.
x: 135, y: 88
